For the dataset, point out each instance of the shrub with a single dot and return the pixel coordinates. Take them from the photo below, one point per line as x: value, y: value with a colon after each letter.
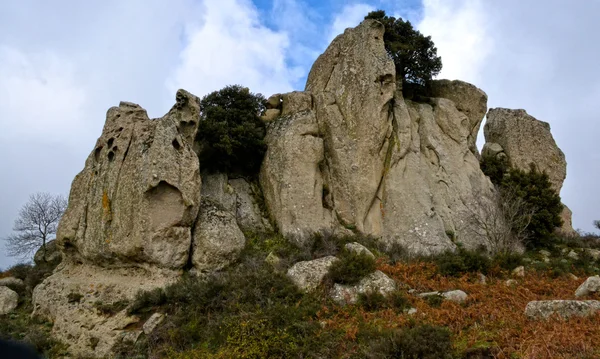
x: 508, y: 260
x: 110, y: 309
x: 351, y: 267
x: 230, y: 133
x: 420, y: 342
x: 414, y: 55
x: 462, y: 261
x: 494, y: 168
x: 373, y: 300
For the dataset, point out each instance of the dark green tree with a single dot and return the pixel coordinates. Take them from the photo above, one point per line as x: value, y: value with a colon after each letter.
x: 414, y: 55
x: 535, y: 188
x: 231, y: 134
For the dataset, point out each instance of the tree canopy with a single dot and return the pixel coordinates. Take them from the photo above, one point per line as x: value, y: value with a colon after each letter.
x: 414, y: 55
x: 230, y: 132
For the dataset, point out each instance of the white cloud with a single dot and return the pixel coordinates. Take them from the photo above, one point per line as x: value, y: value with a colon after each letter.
x: 350, y: 16
x: 230, y: 46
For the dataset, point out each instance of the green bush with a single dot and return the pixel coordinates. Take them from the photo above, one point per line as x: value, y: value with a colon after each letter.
x: 494, y: 168
x: 230, y: 133
x: 462, y: 261
x: 508, y: 260
x: 351, y: 267
x: 373, y: 300
x: 414, y: 55
x: 419, y: 342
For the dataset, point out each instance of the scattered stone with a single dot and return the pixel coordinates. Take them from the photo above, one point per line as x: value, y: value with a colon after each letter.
x: 9, y: 299
x: 527, y: 260
x: 411, y: 311
x: 482, y: 279
x: 591, y: 285
x: 376, y: 281
x: 457, y: 296
x: 573, y: 276
x: 11, y: 281
x: 307, y: 275
x: 358, y: 248
x: 511, y: 283
x: 519, y: 271
x: 153, y: 322
x: 564, y: 308
x: 573, y: 255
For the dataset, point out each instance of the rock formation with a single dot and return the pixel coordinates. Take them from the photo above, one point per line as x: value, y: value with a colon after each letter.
x: 522, y: 139
x: 350, y: 153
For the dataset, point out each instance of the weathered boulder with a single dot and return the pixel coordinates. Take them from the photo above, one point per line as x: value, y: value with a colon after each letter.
x: 68, y: 298
x: 519, y: 271
x: 153, y: 322
x: 218, y: 239
x: 374, y: 282
x: 138, y: 196
x: 358, y: 248
x: 49, y: 255
x: 544, y: 309
x: 457, y: 296
x: 591, y: 285
x: 9, y: 299
x: 526, y: 140
x: 307, y: 275
x: 11, y: 282
x: 351, y: 152
x: 468, y: 99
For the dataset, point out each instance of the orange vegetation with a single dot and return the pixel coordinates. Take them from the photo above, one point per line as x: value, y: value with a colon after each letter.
x: 493, y: 316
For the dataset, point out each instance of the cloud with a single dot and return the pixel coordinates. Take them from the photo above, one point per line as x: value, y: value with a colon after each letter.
x: 230, y: 46
x: 350, y: 16
x: 536, y: 55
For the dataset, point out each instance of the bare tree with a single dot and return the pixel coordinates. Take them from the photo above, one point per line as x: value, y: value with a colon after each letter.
x: 36, y: 224
x: 502, y: 220
x: 597, y: 224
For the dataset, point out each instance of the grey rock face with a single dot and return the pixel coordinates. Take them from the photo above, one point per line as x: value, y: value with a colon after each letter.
x: 138, y: 196
x: 374, y: 282
x: 9, y: 300
x: 591, y: 285
x: 352, y: 152
x: 563, y: 308
x: 307, y: 275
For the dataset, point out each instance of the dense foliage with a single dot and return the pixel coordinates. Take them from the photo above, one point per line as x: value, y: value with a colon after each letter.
x: 231, y: 134
x: 414, y: 54
x: 535, y: 189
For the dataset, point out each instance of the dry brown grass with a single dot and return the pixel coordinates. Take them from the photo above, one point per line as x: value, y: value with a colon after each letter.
x: 493, y: 316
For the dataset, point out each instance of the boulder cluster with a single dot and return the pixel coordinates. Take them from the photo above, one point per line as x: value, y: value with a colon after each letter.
x: 349, y: 155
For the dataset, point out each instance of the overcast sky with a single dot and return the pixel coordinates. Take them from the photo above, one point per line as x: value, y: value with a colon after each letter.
x: 64, y: 63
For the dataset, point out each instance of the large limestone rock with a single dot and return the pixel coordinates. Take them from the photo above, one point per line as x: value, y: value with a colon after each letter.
x: 352, y: 152
x: 68, y: 298
x: 9, y: 299
x: 544, y: 309
x: 138, y: 196
x: 525, y: 140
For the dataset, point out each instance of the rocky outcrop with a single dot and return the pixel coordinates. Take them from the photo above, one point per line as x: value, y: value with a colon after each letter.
x: 138, y: 196
x: 544, y: 309
x: 9, y: 299
x: 350, y: 152
x: 523, y: 140
x: 591, y: 285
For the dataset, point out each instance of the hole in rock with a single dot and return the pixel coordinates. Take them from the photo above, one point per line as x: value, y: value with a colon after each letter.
x: 111, y: 156
x: 97, y: 153
x: 110, y: 141
x: 176, y: 144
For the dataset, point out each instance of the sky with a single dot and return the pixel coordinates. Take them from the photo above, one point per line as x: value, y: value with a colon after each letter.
x: 64, y: 63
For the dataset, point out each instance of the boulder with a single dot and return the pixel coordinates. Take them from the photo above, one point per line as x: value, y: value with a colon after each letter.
x: 591, y: 285
x: 563, y: 308
x: 457, y: 296
x: 217, y: 240
x: 491, y: 149
x: 11, y: 282
x: 526, y: 140
x: 519, y: 271
x: 271, y: 115
x: 88, y: 332
x: 50, y: 255
x: 137, y: 198
x: 274, y: 101
x: 358, y: 248
x: 307, y: 275
x: 9, y: 299
x: 153, y: 322
x: 374, y: 282
x: 468, y: 99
